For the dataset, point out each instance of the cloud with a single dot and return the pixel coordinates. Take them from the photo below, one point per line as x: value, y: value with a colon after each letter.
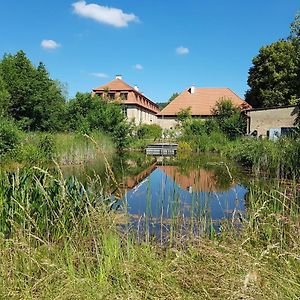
x: 138, y: 67
x: 50, y: 44
x: 182, y: 50
x: 99, y: 75
x: 104, y: 14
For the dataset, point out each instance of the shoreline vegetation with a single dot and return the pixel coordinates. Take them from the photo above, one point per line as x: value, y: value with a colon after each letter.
x: 69, y: 244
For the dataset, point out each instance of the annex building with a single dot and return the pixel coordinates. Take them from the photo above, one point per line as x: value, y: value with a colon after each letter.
x: 201, y: 102
x: 136, y: 106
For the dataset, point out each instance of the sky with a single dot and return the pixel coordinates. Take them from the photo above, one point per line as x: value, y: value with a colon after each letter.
x: 163, y: 46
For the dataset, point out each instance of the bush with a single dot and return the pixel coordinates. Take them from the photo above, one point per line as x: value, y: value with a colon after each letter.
x: 152, y: 131
x: 9, y: 136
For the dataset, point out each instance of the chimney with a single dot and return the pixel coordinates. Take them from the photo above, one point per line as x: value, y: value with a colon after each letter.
x: 119, y: 77
x: 136, y: 87
x: 192, y: 89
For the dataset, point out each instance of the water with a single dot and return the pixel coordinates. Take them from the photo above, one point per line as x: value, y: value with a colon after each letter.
x: 203, y: 190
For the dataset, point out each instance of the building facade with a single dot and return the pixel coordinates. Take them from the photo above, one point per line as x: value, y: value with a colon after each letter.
x: 262, y: 120
x: 137, y: 107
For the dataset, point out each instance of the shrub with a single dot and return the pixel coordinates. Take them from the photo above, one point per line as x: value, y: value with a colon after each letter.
x: 152, y: 131
x: 9, y: 135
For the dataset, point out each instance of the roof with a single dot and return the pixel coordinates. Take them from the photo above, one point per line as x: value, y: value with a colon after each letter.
x: 135, y: 98
x: 198, y: 180
x: 115, y: 85
x: 202, y: 101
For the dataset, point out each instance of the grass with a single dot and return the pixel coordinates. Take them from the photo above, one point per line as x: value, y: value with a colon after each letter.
x: 60, y: 240
x: 279, y: 159
x: 64, y: 148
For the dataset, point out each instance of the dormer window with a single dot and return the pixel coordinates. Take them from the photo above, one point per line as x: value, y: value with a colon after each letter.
x: 124, y: 96
x: 111, y: 96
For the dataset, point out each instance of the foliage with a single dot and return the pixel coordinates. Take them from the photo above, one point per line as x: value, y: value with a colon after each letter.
x: 295, y: 27
x: 162, y: 105
x: 230, y: 119
x: 184, y: 115
x: 149, y: 131
x: 35, y: 100
x: 4, y: 98
x: 184, y: 150
x: 274, y: 78
x: 9, y: 135
x: 274, y: 159
x: 86, y: 113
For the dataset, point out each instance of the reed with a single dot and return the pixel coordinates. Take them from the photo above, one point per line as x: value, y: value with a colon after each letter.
x: 60, y: 240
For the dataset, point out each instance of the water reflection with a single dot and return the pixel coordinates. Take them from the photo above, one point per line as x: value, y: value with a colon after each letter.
x: 167, y: 192
x: 203, y: 188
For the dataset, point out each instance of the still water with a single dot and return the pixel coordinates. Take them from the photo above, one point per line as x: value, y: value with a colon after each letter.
x: 202, y: 187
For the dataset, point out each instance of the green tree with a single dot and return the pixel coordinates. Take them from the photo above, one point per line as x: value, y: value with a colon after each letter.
x: 18, y: 73
x: 295, y: 27
x: 49, y: 102
x: 4, y: 98
x: 229, y: 118
x: 36, y: 101
x: 184, y: 115
x: 87, y: 112
x: 274, y: 78
x: 9, y: 135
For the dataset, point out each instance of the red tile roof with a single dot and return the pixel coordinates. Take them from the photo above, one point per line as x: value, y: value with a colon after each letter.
x: 115, y: 85
x: 135, y: 97
x: 202, y: 101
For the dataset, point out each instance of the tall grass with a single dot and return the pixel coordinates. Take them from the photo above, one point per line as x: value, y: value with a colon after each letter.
x: 60, y: 241
x: 279, y: 159
x: 64, y: 148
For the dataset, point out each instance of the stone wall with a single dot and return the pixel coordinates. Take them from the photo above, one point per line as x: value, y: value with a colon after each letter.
x: 264, y: 119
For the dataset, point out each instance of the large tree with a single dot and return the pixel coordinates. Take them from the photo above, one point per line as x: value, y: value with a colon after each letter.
x: 274, y: 77
x: 36, y: 101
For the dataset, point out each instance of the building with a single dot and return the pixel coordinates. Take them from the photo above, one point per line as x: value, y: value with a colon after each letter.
x: 201, y: 101
x: 262, y: 120
x: 138, y: 108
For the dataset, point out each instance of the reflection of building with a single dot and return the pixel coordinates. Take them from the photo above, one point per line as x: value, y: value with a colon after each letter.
x: 136, y: 106
x: 201, y: 101
x: 199, y: 180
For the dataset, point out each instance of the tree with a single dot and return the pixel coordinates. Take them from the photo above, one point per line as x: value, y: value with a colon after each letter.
x: 86, y: 113
x: 184, y: 115
x: 4, y: 98
x: 162, y: 105
x: 229, y: 118
x: 295, y: 27
x: 174, y: 95
x: 274, y: 78
x: 36, y: 101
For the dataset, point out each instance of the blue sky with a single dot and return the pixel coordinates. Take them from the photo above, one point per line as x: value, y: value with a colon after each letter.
x: 163, y: 46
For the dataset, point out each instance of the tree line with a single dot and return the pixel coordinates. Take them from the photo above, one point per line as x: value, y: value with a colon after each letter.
x: 35, y: 102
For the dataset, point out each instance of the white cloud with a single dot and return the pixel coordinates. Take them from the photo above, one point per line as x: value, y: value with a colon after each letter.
x: 104, y: 14
x: 100, y: 75
x: 182, y: 50
x: 50, y: 44
x: 138, y: 67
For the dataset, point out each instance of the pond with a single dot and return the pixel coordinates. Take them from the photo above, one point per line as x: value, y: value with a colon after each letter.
x: 197, y: 193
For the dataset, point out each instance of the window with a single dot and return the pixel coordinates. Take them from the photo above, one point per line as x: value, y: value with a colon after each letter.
x: 111, y: 96
x: 124, y: 96
x: 124, y: 110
